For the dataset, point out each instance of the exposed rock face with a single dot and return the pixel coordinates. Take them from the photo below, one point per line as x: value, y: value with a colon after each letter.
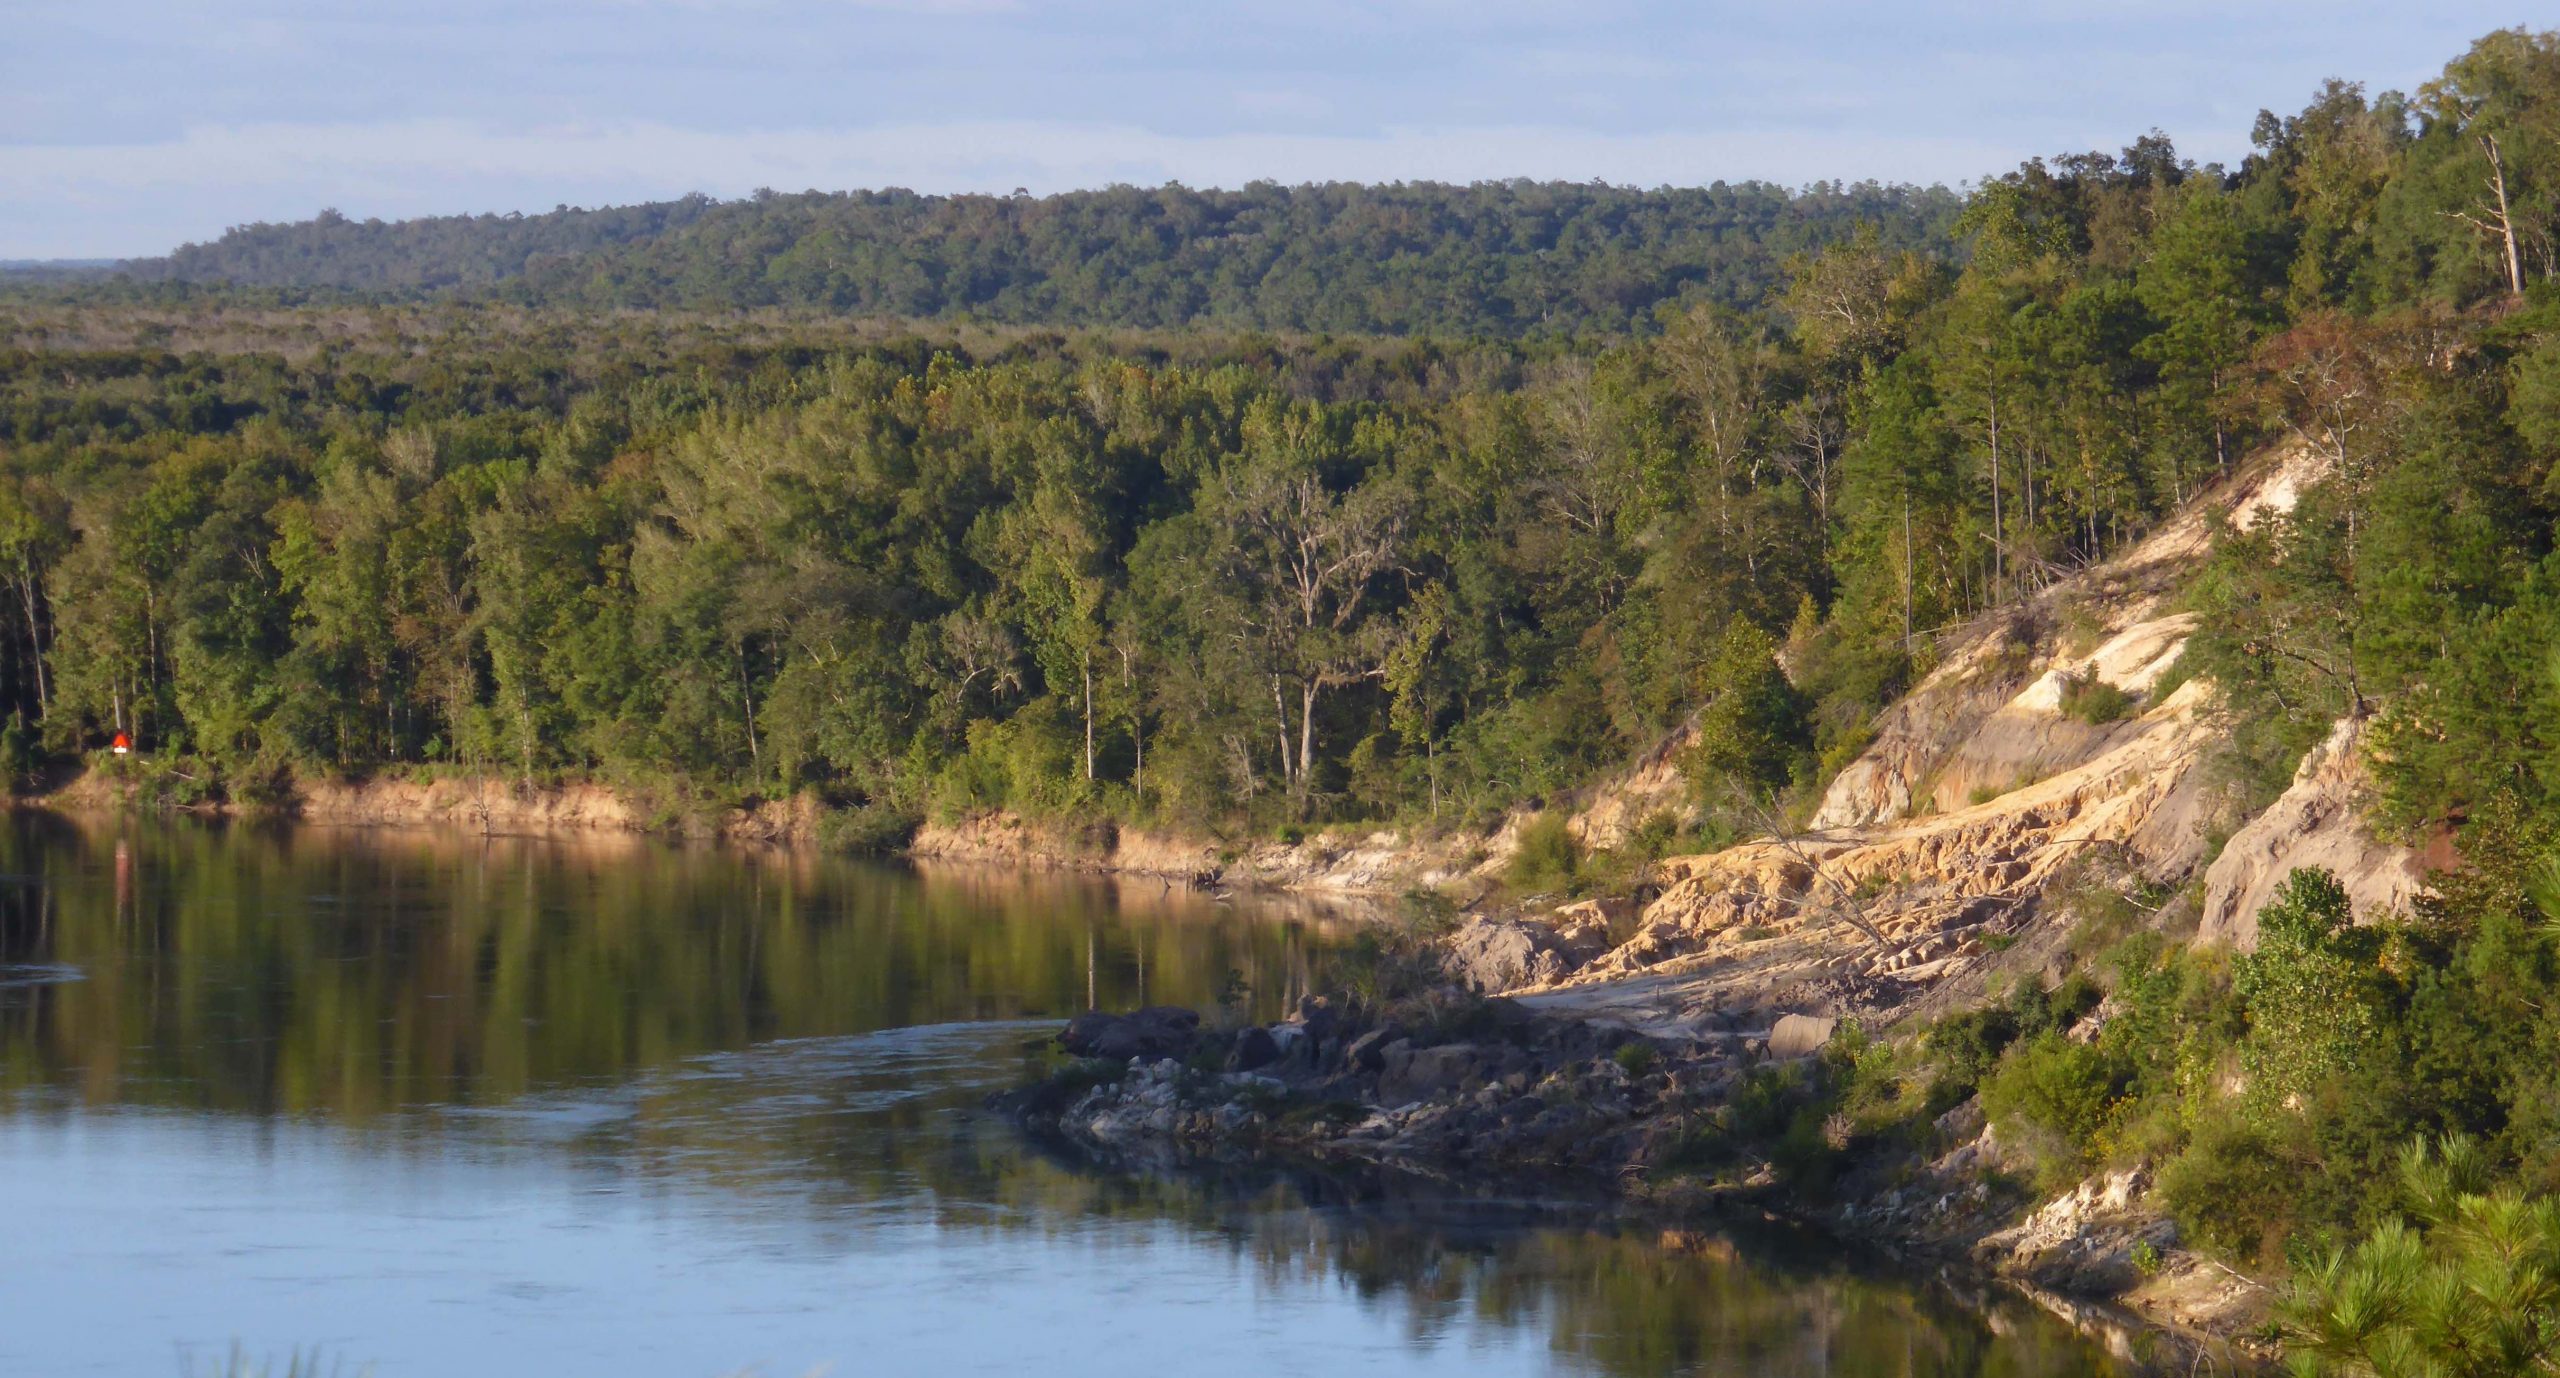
x: 1944, y: 839
x: 1929, y: 886
x: 1412, y: 1074
x: 2313, y: 823
x: 2084, y: 1240
x: 1649, y: 786
x: 1988, y: 716
x: 1496, y: 955
x: 1800, y: 1035
x: 1382, y: 861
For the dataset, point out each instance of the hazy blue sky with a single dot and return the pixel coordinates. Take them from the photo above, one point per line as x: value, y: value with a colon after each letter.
x: 129, y: 126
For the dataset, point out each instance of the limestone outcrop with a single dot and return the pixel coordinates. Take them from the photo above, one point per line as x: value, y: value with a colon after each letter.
x: 2315, y: 822
x: 1989, y: 793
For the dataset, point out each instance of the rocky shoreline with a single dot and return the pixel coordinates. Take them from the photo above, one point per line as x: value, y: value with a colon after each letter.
x: 1490, y: 1091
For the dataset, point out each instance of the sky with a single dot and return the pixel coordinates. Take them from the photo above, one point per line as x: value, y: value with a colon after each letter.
x: 128, y: 127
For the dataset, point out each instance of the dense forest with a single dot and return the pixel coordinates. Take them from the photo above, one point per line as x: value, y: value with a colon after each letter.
x: 1086, y: 567
x: 1287, y: 578
x: 1499, y: 258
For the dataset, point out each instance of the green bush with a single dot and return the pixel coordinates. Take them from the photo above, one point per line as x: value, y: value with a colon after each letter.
x: 2232, y: 1191
x: 1967, y: 1044
x: 1754, y: 736
x: 1653, y: 838
x: 20, y: 754
x: 2065, y: 1092
x: 1549, y: 858
x: 2314, y: 991
x: 875, y: 828
x: 2093, y: 700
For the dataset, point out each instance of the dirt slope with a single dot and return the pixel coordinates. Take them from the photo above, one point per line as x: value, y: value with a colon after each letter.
x: 1980, y: 796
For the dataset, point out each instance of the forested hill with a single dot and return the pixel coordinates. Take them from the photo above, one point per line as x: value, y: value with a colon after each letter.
x: 1494, y: 258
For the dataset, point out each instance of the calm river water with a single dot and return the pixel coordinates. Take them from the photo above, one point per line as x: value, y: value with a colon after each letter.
x: 427, y: 1104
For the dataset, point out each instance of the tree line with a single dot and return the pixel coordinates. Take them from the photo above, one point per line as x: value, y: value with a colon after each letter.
x: 1497, y: 258
x: 1280, y: 577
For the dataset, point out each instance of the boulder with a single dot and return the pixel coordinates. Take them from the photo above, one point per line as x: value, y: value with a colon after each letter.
x: 1800, y: 1035
x: 1591, y: 924
x: 1154, y: 1033
x: 1083, y: 1030
x: 1367, y: 1052
x: 1492, y: 955
x: 1413, y: 1074
x: 1255, y: 1049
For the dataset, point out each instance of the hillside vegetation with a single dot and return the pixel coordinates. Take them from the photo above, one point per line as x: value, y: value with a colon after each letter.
x: 1497, y: 258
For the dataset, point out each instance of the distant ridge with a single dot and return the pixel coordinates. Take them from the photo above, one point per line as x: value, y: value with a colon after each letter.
x: 63, y: 266
x: 1492, y: 258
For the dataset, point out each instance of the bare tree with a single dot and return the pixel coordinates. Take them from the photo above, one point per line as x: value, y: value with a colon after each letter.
x: 1302, y: 559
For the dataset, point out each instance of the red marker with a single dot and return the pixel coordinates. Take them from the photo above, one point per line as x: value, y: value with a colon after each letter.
x: 123, y: 744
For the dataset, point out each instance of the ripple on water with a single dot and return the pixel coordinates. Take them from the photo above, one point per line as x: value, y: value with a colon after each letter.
x: 787, y: 1080
x: 15, y: 975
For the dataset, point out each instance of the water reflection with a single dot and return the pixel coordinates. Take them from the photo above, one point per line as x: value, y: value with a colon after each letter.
x: 287, y: 971
x: 452, y: 1105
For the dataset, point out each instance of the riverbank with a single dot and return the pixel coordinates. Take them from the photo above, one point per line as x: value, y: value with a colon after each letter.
x: 1674, y: 1132
x: 1367, y: 861
x: 1627, y: 1086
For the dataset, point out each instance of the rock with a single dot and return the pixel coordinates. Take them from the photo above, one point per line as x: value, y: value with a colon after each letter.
x: 2315, y: 822
x: 1318, y: 1017
x: 1154, y: 1033
x: 1591, y: 923
x: 2084, y: 1239
x: 2094, y: 1023
x: 1414, y: 1074
x: 1084, y: 1030
x: 1255, y: 1049
x: 1800, y: 1035
x: 1493, y: 955
x: 1963, y: 1122
x: 1368, y: 1051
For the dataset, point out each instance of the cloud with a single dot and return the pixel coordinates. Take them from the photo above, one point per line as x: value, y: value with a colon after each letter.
x: 429, y: 166
x: 119, y: 134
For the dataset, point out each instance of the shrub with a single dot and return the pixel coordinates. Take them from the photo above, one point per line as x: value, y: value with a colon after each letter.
x: 2065, y: 1092
x: 1968, y: 1044
x: 1654, y: 838
x: 20, y: 754
x: 2093, y: 700
x: 1753, y: 731
x: 2312, y: 989
x: 875, y: 828
x: 1549, y: 858
x: 2231, y: 1192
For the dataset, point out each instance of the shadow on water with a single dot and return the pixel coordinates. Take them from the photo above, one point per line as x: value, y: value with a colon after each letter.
x: 781, y: 1055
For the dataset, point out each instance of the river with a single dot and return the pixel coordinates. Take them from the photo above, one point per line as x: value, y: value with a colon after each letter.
x: 419, y: 1103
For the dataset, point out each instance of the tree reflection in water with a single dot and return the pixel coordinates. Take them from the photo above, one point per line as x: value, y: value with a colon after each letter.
x: 795, y: 1045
